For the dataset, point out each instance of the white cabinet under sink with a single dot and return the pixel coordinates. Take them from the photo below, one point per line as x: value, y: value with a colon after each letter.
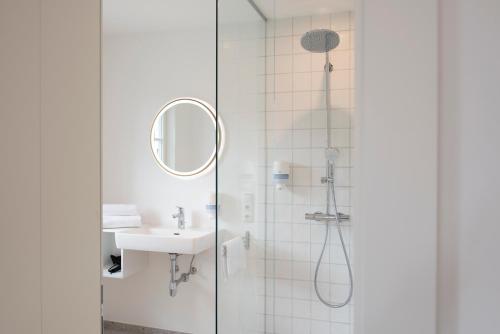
x: 132, y: 261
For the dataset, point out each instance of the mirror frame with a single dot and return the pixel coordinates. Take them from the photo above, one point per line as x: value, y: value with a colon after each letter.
x: 210, y: 163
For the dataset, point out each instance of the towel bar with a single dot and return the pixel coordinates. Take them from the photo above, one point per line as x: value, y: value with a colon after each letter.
x: 246, y: 243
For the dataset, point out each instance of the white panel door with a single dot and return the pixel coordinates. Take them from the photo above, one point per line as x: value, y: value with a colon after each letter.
x: 70, y: 166
x: 50, y: 170
x: 20, y: 307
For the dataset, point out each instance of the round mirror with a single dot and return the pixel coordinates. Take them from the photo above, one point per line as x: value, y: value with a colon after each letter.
x: 183, y: 137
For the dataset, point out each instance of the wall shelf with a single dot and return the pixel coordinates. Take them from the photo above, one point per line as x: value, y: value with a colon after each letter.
x: 132, y: 261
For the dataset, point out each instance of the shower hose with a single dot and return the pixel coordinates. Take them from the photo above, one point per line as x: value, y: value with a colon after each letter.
x: 331, y: 194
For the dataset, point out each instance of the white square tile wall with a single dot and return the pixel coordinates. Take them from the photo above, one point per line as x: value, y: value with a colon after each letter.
x: 296, y: 131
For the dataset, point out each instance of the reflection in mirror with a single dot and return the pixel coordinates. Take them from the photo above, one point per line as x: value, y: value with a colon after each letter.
x: 183, y: 137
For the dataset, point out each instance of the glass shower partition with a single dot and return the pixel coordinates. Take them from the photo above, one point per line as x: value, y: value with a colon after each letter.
x: 241, y: 168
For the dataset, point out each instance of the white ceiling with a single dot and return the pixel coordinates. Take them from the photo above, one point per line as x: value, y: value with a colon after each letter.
x: 131, y: 16
x: 135, y: 16
x: 289, y: 8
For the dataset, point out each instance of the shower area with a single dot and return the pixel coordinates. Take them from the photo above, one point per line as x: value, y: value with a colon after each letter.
x: 285, y: 92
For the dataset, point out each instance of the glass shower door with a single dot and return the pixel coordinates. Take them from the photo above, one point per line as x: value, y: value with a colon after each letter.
x: 241, y: 168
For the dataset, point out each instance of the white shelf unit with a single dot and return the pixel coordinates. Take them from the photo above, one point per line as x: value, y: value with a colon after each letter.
x: 132, y: 261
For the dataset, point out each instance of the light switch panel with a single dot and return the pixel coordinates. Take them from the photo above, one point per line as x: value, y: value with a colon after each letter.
x: 248, y: 206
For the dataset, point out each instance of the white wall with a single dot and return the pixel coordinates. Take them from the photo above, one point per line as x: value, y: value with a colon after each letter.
x: 50, y: 175
x: 396, y: 184
x: 142, y: 72
x: 469, y: 234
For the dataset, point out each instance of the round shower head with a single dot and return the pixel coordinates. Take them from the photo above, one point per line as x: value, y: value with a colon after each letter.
x: 320, y: 40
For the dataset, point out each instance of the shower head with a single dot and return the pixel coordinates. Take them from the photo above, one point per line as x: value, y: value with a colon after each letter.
x: 320, y: 40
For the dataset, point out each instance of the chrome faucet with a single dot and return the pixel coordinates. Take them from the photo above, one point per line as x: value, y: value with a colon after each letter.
x: 181, y: 223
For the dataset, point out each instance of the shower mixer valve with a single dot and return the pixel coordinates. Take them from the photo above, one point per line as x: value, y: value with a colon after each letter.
x: 326, y: 179
x: 324, y: 217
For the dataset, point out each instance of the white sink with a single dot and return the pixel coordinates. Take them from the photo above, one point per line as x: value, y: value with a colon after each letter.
x: 168, y: 240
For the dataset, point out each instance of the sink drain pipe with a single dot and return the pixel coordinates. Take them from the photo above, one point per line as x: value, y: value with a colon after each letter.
x: 174, y: 268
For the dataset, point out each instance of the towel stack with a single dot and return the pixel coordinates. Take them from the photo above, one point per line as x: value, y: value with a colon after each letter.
x: 120, y: 215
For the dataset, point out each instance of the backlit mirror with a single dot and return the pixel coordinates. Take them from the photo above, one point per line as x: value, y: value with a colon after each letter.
x: 183, y: 137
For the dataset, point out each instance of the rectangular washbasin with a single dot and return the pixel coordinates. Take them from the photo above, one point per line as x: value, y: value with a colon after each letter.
x: 167, y: 240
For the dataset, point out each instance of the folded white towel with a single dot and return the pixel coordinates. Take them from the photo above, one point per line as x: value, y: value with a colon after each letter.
x: 119, y: 210
x: 234, y: 257
x: 121, y: 221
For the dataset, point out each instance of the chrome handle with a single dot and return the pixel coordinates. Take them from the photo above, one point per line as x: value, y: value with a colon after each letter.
x: 180, y: 213
x: 319, y: 216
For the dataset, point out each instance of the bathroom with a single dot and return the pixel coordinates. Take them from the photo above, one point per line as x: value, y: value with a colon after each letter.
x: 249, y: 167
x: 157, y: 62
